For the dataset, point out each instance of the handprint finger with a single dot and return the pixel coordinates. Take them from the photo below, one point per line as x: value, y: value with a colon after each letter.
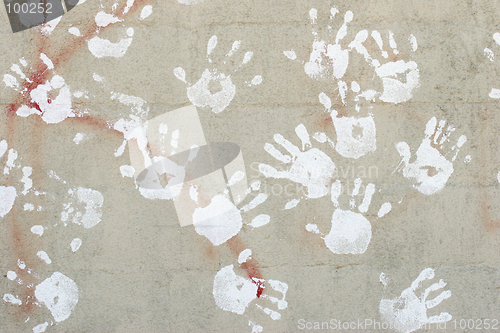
x: 276, y: 153
x: 301, y: 132
x: 433, y: 302
x: 426, y: 274
x: 269, y: 171
x: 291, y: 148
x: 441, y: 318
x: 434, y: 287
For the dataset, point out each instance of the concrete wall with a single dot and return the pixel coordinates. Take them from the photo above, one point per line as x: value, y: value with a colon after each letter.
x: 76, y: 97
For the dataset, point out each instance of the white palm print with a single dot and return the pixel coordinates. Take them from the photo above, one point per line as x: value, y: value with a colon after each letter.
x: 221, y: 219
x: 495, y: 92
x: 388, y: 69
x: 101, y: 47
x: 58, y: 293
x: 351, y: 231
x: 215, y: 89
x: 431, y: 168
x: 310, y: 167
x: 356, y: 136
x: 408, y: 312
x: 234, y: 293
x: 328, y: 61
x: 42, y: 101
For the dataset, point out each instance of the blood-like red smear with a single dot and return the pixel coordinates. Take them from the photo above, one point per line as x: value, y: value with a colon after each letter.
x: 251, y: 266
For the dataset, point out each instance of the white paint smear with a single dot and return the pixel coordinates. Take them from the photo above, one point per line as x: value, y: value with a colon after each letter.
x: 384, y: 209
x: 59, y: 294
x: 292, y: 203
x: 40, y: 328
x: 37, y: 230
x: 103, y: 19
x: 12, y: 299
x: 127, y: 171
x: 244, y: 256
x: 74, y: 31
x: 7, y: 198
x: 232, y: 292
x: 219, y: 221
x: 75, y: 244
x: 44, y: 256
x: 102, y: 48
x: 146, y: 11
x: 260, y: 220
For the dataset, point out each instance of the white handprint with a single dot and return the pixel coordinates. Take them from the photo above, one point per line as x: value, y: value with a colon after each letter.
x: 327, y: 61
x: 220, y: 220
x: 215, y: 89
x: 407, y: 313
x: 51, y: 109
x: 311, y: 168
x: 101, y: 47
x: 395, y: 90
x: 351, y: 232
x: 494, y: 93
x: 58, y: 293
x: 431, y: 169
x: 234, y: 293
x: 356, y: 136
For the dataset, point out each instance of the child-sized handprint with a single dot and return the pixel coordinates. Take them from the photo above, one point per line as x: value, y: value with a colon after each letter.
x: 215, y: 89
x: 351, y: 231
x: 41, y: 98
x: 311, y: 168
x: 356, y: 136
x: 431, y: 168
x: 234, y: 293
x: 328, y: 61
x: 399, y: 77
x: 408, y: 312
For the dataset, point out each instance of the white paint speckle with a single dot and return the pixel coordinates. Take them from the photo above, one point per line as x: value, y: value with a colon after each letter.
x: 244, y: 256
x: 11, y: 275
x: 127, y: 171
x: 146, y: 11
x: 37, y: 230
x: 44, y: 256
x: 75, y: 244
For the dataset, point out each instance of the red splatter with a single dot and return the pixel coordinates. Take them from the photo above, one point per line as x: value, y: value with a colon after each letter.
x: 236, y: 245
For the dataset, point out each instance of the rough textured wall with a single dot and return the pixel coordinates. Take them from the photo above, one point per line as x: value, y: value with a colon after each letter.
x: 353, y: 184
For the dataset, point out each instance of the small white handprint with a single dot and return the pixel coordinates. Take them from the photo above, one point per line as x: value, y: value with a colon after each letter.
x: 311, y: 168
x: 431, y: 168
x: 234, y: 293
x: 221, y: 219
x: 58, y: 293
x: 351, y: 232
x: 494, y: 93
x: 215, y: 89
x: 399, y: 77
x: 408, y: 312
x: 327, y: 61
x: 101, y: 47
x: 356, y: 136
x: 42, y: 101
